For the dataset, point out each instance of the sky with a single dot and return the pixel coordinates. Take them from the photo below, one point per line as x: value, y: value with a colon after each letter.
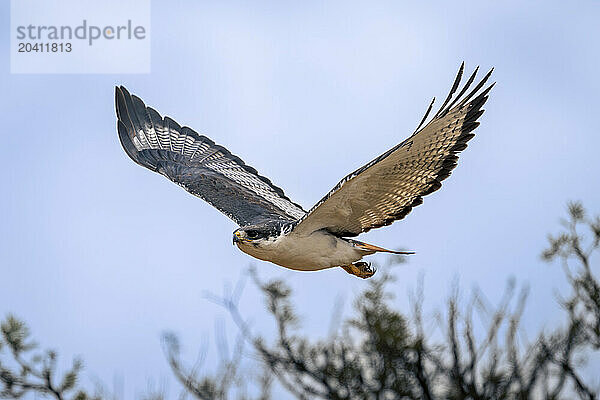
x: 100, y: 256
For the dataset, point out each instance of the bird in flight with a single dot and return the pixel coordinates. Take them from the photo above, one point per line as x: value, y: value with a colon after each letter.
x: 274, y: 228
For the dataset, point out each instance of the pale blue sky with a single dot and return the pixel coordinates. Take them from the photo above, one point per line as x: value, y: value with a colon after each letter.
x: 100, y: 255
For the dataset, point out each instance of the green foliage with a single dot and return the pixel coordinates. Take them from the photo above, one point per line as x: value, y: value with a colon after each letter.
x: 23, y: 370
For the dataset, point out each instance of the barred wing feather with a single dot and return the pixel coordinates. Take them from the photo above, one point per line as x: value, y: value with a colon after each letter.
x: 387, y: 188
x: 196, y: 163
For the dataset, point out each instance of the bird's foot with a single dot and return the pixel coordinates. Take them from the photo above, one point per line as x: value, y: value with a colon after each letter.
x: 361, y: 269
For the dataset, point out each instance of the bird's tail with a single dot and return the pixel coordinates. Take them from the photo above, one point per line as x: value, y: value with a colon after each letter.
x: 376, y: 249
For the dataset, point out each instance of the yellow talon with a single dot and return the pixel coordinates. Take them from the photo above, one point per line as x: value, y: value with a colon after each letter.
x: 361, y: 269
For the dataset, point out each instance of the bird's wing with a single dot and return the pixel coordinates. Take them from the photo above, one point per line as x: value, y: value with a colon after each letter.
x: 197, y: 164
x: 387, y: 188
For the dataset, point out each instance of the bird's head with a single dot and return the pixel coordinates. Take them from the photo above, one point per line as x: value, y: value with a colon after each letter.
x: 256, y: 235
x: 247, y: 236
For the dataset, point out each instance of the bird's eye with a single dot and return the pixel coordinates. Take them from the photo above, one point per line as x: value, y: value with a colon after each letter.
x: 252, y: 234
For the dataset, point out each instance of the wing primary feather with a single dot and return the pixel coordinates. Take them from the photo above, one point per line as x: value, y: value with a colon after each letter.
x: 135, y: 122
x: 475, y: 115
x: 482, y: 97
x: 122, y: 113
x: 476, y: 89
x: 465, y: 88
x: 475, y: 110
x: 426, y: 115
x: 172, y: 131
x: 125, y: 132
x: 469, y: 127
x: 454, y: 87
x: 146, y: 123
x: 126, y: 142
x: 118, y: 102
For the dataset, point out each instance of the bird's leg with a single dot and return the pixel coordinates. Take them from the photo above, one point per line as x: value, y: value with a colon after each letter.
x: 361, y: 269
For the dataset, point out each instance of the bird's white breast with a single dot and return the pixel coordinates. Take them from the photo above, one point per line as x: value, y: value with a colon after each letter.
x: 316, y: 251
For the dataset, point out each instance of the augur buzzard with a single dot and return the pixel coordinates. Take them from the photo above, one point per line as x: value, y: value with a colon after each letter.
x: 274, y: 228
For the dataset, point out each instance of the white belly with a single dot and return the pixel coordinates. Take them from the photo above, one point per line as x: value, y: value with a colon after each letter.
x: 317, y: 251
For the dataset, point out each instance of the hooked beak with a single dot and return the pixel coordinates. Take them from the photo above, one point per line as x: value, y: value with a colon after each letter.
x: 237, y: 237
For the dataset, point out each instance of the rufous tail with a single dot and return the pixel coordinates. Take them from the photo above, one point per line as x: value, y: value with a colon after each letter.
x: 373, y: 248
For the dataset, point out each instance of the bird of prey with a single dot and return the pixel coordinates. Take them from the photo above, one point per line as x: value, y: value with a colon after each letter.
x: 274, y: 228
